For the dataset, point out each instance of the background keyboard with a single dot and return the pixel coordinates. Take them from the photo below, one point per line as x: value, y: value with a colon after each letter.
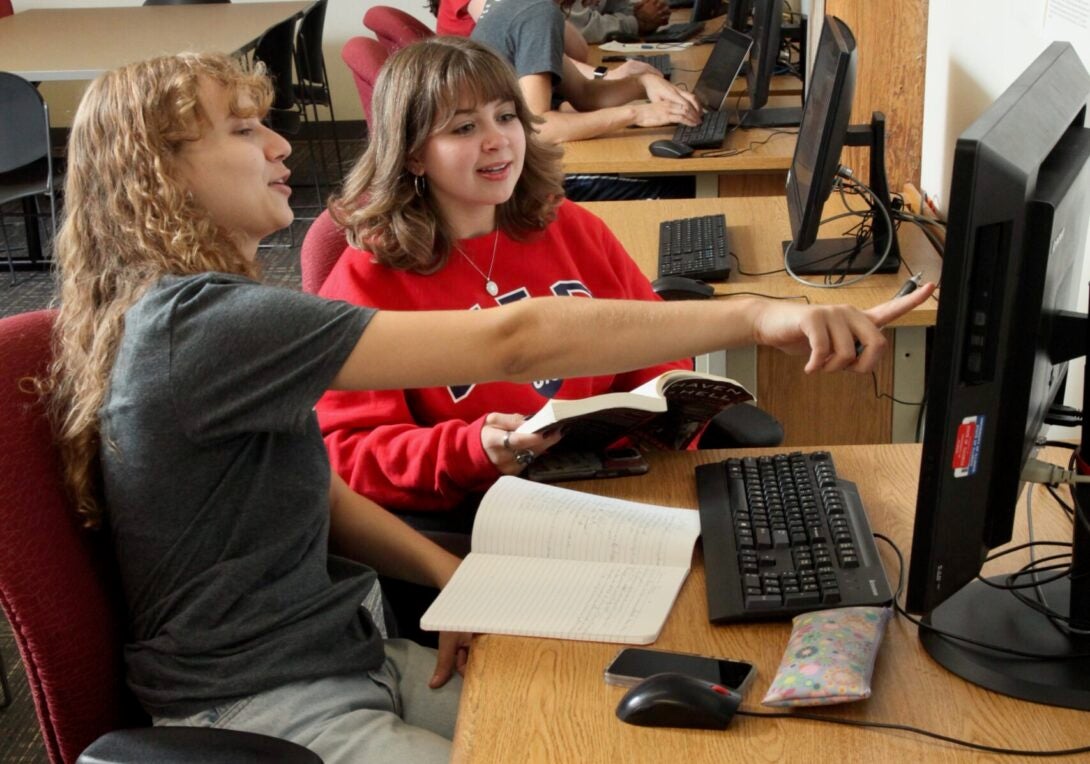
x: 709, y: 134
x: 784, y: 535
x: 660, y: 61
x: 675, y: 32
x: 695, y: 247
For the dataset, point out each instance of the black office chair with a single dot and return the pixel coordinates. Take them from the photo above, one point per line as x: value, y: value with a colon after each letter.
x: 313, y: 86
x: 26, y: 159
x: 275, y: 50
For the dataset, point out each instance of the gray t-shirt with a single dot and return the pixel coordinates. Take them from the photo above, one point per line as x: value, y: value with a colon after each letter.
x: 528, y: 33
x: 216, y: 483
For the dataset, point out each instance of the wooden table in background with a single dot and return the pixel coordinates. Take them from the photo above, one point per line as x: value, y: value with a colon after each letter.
x: 820, y: 408
x: 81, y: 43
x: 544, y: 700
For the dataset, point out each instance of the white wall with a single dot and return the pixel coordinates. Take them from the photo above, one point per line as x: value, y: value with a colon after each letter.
x: 344, y: 19
x: 975, y: 49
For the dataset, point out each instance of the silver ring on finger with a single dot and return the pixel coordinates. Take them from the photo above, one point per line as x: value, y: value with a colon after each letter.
x: 507, y: 441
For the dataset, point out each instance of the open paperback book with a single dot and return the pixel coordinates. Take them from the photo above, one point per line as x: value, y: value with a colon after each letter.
x: 668, y: 411
x: 551, y: 562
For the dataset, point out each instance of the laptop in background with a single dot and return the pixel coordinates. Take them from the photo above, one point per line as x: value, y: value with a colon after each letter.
x: 712, y: 89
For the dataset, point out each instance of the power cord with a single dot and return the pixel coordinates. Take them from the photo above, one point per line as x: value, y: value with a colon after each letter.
x: 846, y: 177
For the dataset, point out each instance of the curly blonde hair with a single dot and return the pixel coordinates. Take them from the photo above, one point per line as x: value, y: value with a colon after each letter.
x: 417, y: 94
x: 129, y: 221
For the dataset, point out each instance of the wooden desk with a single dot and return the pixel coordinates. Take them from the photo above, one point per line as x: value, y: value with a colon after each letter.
x: 544, y: 700
x: 760, y: 170
x: 81, y: 43
x: 824, y: 408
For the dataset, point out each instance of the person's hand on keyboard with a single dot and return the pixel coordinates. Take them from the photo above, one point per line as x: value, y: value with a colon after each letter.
x: 664, y: 113
x: 684, y: 106
x: 829, y: 333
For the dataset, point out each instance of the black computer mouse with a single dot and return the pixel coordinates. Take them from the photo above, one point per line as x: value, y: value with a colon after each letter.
x: 682, y: 288
x: 671, y: 149
x: 678, y: 700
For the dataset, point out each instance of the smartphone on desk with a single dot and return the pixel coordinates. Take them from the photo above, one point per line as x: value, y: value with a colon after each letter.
x: 632, y: 664
x: 583, y: 465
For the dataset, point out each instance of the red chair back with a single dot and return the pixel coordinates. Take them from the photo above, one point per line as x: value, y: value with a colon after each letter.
x: 58, y: 586
x: 323, y: 245
x: 394, y: 28
x: 364, y: 57
x: 5, y: 8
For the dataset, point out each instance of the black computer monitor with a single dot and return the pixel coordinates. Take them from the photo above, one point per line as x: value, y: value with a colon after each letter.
x: 1007, y: 326
x: 706, y: 9
x: 763, y: 61
x: 738, y: 14
x: 824, y: 132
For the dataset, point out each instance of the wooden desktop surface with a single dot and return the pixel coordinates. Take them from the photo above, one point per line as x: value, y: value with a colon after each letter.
x: 813, y: 408
x: 81, y: 43
x: 757, y: 226
x: 544, y: 700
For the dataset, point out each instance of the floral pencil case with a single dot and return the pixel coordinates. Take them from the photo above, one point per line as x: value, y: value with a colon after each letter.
x: 829, y: 658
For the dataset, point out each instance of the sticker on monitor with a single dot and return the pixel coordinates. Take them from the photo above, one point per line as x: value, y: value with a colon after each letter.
x: 967, y: 449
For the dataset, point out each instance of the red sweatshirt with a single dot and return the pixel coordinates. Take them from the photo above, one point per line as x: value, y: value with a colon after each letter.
x: 418, y: 450
x: 454, y: 18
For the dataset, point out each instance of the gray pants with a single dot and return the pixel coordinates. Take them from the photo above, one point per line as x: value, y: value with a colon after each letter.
x: 389, y: 714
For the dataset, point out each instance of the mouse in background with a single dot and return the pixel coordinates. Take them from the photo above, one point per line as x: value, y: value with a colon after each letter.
x: 671, y: 149
x: 678, y: 700
x: 682, y: 288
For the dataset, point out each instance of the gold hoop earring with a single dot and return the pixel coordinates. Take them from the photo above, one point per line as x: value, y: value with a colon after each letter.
x: 420, y: 185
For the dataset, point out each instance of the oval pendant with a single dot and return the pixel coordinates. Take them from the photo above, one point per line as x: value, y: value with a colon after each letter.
x: 491, y: 287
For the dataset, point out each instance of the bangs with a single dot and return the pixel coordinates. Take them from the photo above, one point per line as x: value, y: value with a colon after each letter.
x: 469, y: 82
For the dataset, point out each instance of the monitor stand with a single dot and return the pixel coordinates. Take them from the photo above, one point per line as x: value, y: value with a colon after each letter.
x: 844, y: 256
x: 836, y: 256
x: 781, y: 116
x: 996, y: 617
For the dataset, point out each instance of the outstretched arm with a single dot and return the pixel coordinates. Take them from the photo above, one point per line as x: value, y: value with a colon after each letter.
x: 550, y: 337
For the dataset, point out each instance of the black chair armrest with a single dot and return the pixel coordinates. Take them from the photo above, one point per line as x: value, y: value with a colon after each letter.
x: 183, y: 745
x: 742, y: 426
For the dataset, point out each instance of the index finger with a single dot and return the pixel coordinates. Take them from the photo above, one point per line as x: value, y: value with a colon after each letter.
x: 897, y: 307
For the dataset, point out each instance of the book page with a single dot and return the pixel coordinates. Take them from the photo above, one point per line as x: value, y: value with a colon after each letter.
x: 556, y: 598
x: 519, y: 517
x: 654, y: 387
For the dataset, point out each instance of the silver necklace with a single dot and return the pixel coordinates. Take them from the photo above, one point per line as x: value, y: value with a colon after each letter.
x: 490, y: 286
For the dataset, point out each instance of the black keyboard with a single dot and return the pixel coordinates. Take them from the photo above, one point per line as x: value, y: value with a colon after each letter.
x: 675, y: 32
x: 694, y: 247
x: 784, y: 535
x: 680, y: 3
x: 660, y: 61
x: 709, y: 134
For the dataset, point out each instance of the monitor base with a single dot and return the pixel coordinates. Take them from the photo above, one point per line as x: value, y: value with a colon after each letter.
x: 784, y: 116
x: 837, y: 256
x: 996, y: 617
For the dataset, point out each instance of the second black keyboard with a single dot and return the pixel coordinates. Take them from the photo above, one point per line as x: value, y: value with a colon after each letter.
x: 785, y: 535
x: 695, y: 247
x: 709, y: 134
x: 660, y: 61
x: 675, y: 32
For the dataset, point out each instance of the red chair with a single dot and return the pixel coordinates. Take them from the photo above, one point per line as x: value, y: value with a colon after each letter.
x: 323, y: 245
x: 5, y: 8
x: 60, y: 593
x: 394, y: 28
x: 364, y: 57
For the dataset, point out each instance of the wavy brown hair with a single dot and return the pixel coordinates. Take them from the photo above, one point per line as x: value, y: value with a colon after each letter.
x: 417, y: 94
x: 129, y: 221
